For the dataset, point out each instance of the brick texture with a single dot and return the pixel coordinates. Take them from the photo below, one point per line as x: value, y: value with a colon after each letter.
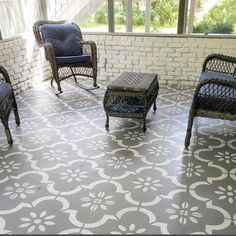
x: 177, y: 60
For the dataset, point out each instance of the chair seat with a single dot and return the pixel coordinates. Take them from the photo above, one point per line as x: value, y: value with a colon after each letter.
x: 217, y: 97
x: 5, y: 89
x: 73, y: 59
x: 216, y: 75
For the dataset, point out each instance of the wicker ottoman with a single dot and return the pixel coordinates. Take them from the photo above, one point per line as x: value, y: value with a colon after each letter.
x: 130, y: 96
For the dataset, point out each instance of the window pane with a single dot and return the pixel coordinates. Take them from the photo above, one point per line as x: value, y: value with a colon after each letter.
x: 8, y: 24
x: 138, y: 13
x: 215, y: 16
x: 120, y: 15
x: 164, y: 16
x: 159, y: 17
x: 17, y: 16
x: 97, y: 22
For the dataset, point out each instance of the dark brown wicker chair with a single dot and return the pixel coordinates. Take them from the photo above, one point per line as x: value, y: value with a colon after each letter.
x: 215, y: 94
x: 66, y: 51
x: 7, y: 102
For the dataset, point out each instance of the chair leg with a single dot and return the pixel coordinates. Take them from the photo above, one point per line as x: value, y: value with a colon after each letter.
x: 107, y: 122
x: 16, y: 114
x: 8, y: 134
x: 144, y: 125
x: 154, y: 105
x: 7, y: 130
x: 95, y: 83
x: 58, y: 87
x: 189, y: 128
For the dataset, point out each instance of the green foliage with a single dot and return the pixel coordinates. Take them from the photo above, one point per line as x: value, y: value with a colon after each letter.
x: 120, y: 19
x: 100, y: 17
x: 164, y: 13
x: 220, y: 19
x: 138, y: 16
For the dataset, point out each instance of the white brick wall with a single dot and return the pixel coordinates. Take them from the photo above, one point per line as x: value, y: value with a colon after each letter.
x: 177, y: 59
x: 25, y: 63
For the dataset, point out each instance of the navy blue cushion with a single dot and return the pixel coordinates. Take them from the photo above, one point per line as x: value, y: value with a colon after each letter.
x: 65, y: 38
x: 217, y: 75
x: 73, y: 59
x: 130, y: 105
x: 5, y: 89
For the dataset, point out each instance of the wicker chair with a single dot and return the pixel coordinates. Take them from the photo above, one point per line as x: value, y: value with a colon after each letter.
x: 215, y: 94
x: 7, y: 103
x: 66, y: 51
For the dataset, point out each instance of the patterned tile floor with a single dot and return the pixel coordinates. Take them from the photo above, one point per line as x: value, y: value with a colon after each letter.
x: 66, y: 174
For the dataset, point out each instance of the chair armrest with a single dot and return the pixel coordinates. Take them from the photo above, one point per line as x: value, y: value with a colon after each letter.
x: 220, y: 63
x: 49, y: 53
x: 90, y: 48
x: 228, y: 83
x: 4, y: 77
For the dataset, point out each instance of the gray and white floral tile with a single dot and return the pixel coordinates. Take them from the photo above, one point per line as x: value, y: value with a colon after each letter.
x: 65, y: 174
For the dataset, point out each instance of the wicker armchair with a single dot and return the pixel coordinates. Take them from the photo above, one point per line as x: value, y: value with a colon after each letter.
x: 215, y: 94
x: 7, y: 102
x: 66, y: 51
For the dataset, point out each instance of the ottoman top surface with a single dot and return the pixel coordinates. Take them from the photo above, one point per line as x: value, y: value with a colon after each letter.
x: 132, y: 81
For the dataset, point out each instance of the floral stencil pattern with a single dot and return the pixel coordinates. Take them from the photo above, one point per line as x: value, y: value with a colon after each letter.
x: 132, y: 229
x: 120, y: 162
x: 73, y: 175
x: 37, y: 221
x: 190, y: 169
x: 19, y: 190
x: 228, y: 193
x: 184, y: 213
x: 66, y: 174
x: 8, y: 166
x: 226, y: 157
x: 94, y: 202
x: 55, y: 155
x: 147, y: 184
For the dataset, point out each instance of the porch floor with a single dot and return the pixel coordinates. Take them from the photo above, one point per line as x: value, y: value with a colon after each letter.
x: 66, y: 174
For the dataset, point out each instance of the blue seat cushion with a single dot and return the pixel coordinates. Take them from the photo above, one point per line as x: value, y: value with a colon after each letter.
x: 65, y: 39
x: 73, y: 59
x: 216, y: 97
x: 216, y: 75
x: 129, y: 105
x: 5, y: 89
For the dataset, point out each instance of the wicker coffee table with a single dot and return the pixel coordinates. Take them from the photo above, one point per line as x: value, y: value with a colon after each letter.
x: 130, y: 96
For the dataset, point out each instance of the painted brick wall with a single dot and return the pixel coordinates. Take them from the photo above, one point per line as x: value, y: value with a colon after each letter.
x: 177, y: 59
x: 25, y: 63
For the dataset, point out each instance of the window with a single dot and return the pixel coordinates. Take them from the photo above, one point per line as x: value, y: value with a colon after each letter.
x: 215, y: 16
x: 152, y: 16
x: 98, y: 21
x: 7, y: 23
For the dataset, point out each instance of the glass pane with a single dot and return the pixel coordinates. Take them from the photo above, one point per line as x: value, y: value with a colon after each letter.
x: 138, y: 13
x: 8, y: 24
x: 164, y: 16
x: 17, y: 16
x: 215, y: 16
x: 120, y: 15
x: 97, y: 22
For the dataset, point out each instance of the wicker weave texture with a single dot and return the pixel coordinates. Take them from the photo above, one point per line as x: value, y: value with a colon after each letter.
x: 63, y: 71
x: 215, y: 94
x: 7, y: 104
x: 124, y: 100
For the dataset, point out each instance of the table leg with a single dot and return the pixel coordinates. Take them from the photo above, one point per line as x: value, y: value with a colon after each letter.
x: 107, y: 122
x: 154, y: 105
x: 144, y: 125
